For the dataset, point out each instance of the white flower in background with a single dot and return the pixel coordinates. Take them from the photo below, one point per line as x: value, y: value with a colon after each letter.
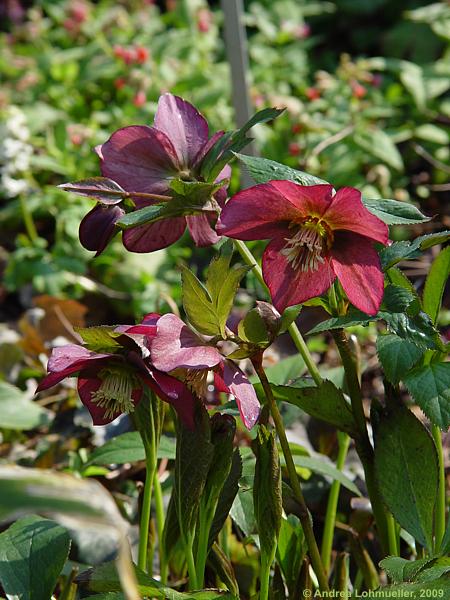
x: 15, y: 153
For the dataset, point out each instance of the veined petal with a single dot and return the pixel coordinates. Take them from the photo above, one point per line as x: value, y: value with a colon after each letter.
x: 222, y: 194
x: 310, y: 200
x: 155, y: 236
x: 177, y: 346
x: 174, y: 392
x: 241, y: 388
x: 68, y: 360
x: 348, y: 212
x: 99, y: 226
x: 257, y: 213
x: 201, y: 229
x: 357, y: 266
x: 290, y: 286
x: 140, y: 159
x: 186, y: 128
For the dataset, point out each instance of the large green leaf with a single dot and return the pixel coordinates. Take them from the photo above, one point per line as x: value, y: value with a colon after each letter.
x: 32, y: 554
x: 377, y: 143
x: 227, y: 495
x: 398, y: 251
x: 324, y: 466
x: 325, y: 402
x: 291, y: 549
x: 263, y: 170
x: 397, y: 356
x: 198, y: 304
x: 393, y: 212
x: 407, y: 472
x: 18, y: 412
x: 435, y: 284
x: 127, y: 448
x: 430, y: 387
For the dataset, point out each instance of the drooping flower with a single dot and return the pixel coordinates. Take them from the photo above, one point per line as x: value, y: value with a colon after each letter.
x: 315, y: 237
x: 112, y: 383
x: 145, y: 160
x: 178, y: 350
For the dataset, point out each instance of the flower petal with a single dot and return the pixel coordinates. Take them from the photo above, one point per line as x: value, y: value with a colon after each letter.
x: 348, y: 212
x: 222, y: 194
x: 205, y: 149
x: 290, y: 286
x: 201, y: 229
x: 357, y: 266
x: 243, y: 391
x: 98, y: 227
x: 140, y: 159
x: 155, y: 236
x: 257, y: 213
x: 176, y: 346
x: 310, y: 200
x: 186, y: 128
x: 67, y: 360
x: 86, y: 387
x: 174, y: 392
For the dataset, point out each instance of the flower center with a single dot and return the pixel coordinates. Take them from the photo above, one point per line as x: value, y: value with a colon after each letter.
x: 305, y: 249
x: 197, y: 381
x: 115, y: 392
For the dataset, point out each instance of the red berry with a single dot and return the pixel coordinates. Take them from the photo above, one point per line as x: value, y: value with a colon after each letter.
x: 296, y: 128
x: 119, y: 83
x: 142, y: 54
x: 294, y: 149
x: 312, y: 93
x: 118, y: 51
x: 358, y: 90
x: 204, y: 20
x: 140, y: 99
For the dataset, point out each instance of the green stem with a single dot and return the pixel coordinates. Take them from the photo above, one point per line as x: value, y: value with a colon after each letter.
x: 441, y: 499
x: 145, y: 515
x: 159, y: 509
x: 188, y: 548
x: 294, y: 332
x: 330, y: 517
x: 392, y: 535
x: 362, y: 442
x: 305, y: 517
x: 205, y: 520
x: 28, y: 220
x: 264, y: 580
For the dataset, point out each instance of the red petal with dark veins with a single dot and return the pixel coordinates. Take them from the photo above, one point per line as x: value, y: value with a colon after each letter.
x: 201, y: 229
x: 310, y: 200
x: 290, y: 286
x: 176, y: 346
x: 185, y: 127
x: 155, y: 236
x: 257, y: 213
x: 243, y: 391
x: 68, y: 360
x: 348, y: 212
x: 175, y: 393
x: 140, y: 159
x: 222, y: 194
x: 357, y: 265
x: 99, y: 226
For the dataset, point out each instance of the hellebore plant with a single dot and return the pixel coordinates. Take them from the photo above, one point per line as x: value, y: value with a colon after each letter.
x: 156, y: 180
x: 315, y: 237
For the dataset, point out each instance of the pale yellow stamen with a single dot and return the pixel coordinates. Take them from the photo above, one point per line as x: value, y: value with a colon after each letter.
x: 305, y: 249
x: 115, y: 392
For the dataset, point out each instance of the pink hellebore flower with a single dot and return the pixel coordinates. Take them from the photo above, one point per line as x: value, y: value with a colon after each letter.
x: 315, y: 237
x: 110, y: 384
x: 178, y: 350
x: 145, y: 160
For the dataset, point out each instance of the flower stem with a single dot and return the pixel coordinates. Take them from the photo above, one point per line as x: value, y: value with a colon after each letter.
x: 441, y: 499
x: 392, y: 535
x: 264, y: 579
x: 188, y: 548
x: 145, y: 515
x: 363, y: 445
x: 294, y: 332
x: 305, y: 517
x: 28, y: 220
x: 202, y: 545
x: 159, y: 509
x: 330, y: 517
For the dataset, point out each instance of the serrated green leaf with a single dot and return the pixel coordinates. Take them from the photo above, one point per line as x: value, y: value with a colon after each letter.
x: 18, y: 412
x: 128, y: 448
x: 397, y: 356
x: 195, y: 193
x: 378, y: 144
x: 393, y: 212
x: 353, y: 318
x: 406, y: 467
x: 394, y: 565
x: 417, y: 329
x: 397, y: 299
x: 398, y: 251
x: 430, y: 387
x: 267, y: 493
x: 217, y: 269
x: 263, y: 170
x: 198, y: 304
x: 325, y: 402
x: 100, y: 339
x: 32, y: 554
x: 435, y: 284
